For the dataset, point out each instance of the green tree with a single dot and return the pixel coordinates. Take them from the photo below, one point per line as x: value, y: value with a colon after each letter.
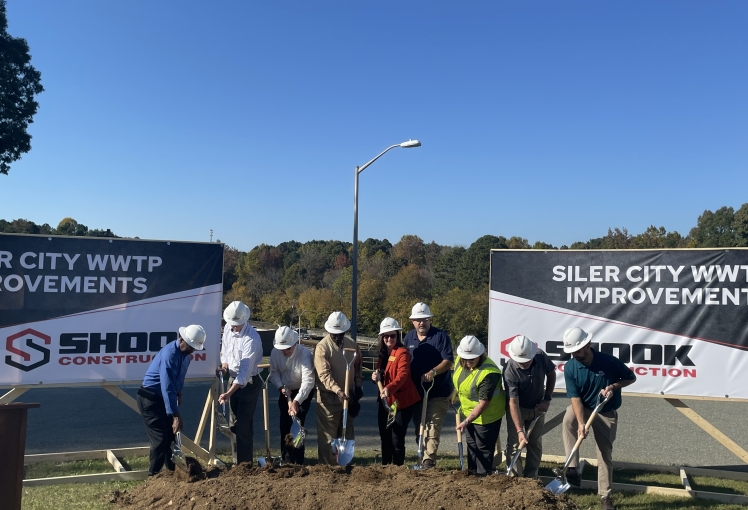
x: 70, y: 227
x: 540, y: 245
x: 445, y: 269
x: 472, y: 272
x: 714, y: 229
x: 410, y: 285
x: 740, y: 226
x: 411, y: 249
x: 370, y: 306
x: 462, y: 312
x: 655, y: 237
x: 19, y: 85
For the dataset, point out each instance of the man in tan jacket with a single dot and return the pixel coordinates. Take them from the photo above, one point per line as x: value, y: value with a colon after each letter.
x: 330, y: 367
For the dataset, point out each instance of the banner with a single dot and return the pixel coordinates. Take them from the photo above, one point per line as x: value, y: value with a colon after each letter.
x: 677, y: 318
x: 93, y: 310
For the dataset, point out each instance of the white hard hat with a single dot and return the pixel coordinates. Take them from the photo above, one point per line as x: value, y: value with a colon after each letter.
x: 337, y: 323
x: 470, y: 348
x: 420, y: 311
x: 236, y: 314
x: 575, y: 339
x: 389, y: 324
x: 194, y: 335
x: 522, y: 349
x: 285, y: 338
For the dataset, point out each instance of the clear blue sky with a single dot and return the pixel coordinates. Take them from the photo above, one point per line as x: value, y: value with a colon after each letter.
x: 544, y: 119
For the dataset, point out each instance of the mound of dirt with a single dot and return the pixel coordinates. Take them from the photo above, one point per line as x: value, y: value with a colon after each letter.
x: 327, y: 487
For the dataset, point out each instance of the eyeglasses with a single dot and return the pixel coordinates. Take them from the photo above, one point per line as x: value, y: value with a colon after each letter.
x: 391, y: 336
x: 421, y: 320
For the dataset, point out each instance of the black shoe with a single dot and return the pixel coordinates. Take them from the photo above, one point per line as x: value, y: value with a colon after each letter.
x: 428, y: 464
x: 607, y: 503
x: 574, y: 478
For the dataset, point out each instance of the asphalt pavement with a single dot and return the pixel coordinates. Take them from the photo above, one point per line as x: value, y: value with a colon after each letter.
x: 650, y: 430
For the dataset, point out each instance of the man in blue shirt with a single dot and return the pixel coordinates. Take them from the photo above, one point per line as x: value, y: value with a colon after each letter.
x: 590, y: 374
x: 431, y: 360
x: 161, y: 393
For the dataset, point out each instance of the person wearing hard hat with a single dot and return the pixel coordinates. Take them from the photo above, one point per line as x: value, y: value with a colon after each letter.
x: 431, y: 360
x: 477, y: 382
x: 241, y: 353
x: 292, y: 371
x: 393, y: 371
x: 587, y: 375
x: 330, y: 365
x: 529, y: 380
x: 160, y: 394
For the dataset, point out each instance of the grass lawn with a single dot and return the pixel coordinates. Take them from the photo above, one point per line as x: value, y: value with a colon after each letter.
x: 96, y: 496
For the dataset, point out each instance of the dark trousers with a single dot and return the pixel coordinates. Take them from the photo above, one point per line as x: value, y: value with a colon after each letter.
x: 481, y: 442
x: 393, y: 438
x: 288, y: 452
x: 158, y: 427
x: 243, y: 404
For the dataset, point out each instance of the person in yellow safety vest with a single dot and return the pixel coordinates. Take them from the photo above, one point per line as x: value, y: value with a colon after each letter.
x: 477, y: 382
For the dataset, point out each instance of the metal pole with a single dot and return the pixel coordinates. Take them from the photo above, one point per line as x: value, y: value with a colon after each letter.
x: 354, y: 287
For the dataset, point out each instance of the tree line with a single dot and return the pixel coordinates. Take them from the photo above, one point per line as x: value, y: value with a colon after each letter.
x: 309, y: 280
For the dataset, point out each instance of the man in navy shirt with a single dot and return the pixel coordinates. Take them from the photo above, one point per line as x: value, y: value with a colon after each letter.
x: 161, y: 393
x: 431, y: 360
x: 589, y: 374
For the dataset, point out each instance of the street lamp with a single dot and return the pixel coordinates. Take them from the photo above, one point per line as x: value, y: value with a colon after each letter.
x: 354, y: 291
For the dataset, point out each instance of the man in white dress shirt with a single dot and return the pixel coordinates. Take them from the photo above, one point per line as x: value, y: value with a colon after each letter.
x: 292, y: 370
x: 241, y: 352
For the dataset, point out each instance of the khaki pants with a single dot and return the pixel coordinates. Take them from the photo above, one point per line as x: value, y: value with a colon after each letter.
x: 604, y: 429
x: 330, y: 426
x: 436, y: 410
x: 534, y: 446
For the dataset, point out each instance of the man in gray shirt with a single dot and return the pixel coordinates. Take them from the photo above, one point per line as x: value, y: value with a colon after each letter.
x: 529, y: 379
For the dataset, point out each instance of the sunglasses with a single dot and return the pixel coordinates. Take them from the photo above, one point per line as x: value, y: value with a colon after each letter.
x: 389, y: 336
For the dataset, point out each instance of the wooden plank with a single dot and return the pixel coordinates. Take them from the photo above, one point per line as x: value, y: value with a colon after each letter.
x: 122, y: 397
x: 204, y: 416
x: 12, y: 395
x: 684, y: 479
x: 84, y: 455
x: 553, y: 423
x: 94, y: 478
x: 717, y: 473
x: 114, y: 461
x: 665, y: 491
x: 709, y: 428
x: 196, y: 450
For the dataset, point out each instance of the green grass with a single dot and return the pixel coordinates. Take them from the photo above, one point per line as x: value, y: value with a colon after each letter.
x: 97, y: 496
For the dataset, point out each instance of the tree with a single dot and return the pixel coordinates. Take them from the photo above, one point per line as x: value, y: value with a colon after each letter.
x: 411, y: 249
x: 19, y: 85
x: 714, y: 229
x: 70, y: 227
x: 472, y: 272
x: 740, y: 226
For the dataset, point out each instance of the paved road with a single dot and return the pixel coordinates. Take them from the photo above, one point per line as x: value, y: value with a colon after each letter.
x: 650, y: 430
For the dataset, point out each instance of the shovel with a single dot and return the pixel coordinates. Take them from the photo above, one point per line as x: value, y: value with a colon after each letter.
x: 459, y: 437
x: 560, y: 485
x: 422, y: 429
x: 391, y: 410
x: 222, y: 423
x: 268, y: 460
x: 342, y: 448
x: 522, y: 445
x: 176, y: 453
x: 297, y: 431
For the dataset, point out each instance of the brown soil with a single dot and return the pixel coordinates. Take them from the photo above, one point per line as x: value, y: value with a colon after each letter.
x: 326, y: 487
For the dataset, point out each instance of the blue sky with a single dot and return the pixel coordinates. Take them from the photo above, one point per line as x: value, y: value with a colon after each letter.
x: 544, y: 119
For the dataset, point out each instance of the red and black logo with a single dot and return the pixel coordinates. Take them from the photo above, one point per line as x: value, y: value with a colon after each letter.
x: 30, y: 336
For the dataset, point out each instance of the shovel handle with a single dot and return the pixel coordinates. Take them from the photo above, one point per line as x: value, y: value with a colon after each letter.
x: 263, y: 365
x: 457, y: 423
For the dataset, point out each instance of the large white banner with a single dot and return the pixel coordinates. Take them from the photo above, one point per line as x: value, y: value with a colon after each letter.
x: 677, y: 318
x: 91, y: 310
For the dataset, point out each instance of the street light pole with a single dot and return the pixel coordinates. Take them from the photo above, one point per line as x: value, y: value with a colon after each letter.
x: 354, y: 290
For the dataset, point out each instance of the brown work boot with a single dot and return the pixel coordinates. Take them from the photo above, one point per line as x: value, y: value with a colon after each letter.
x: 428, y: 464
x: 607, y: 503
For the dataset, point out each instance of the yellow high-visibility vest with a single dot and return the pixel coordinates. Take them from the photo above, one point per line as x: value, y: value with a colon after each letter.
x: 467, y: 391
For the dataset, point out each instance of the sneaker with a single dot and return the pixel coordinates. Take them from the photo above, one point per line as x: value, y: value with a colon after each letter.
x: 428, y: 464
x: 607, y: 503
x: 573, y: 477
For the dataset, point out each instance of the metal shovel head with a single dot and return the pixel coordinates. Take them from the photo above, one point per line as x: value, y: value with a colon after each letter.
x: 391, y: 414
x: 342, y: 449
x: 176, y: 454
x: 298, y: 434
x: 557, y: 486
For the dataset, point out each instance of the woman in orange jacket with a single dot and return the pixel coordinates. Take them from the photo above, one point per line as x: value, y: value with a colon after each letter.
x: 398, y: 393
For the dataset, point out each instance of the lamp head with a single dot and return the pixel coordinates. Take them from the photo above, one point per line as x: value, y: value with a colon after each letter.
x: 410, y: 143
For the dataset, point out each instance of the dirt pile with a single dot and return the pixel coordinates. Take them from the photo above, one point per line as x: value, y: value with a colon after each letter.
x: 326, y: 487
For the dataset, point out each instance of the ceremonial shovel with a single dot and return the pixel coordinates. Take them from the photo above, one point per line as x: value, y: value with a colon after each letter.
x: 422, y: 429
x: 342, y: 448
x: 560, y: 485
x: 176, y: 453
x: 522, y: 445
x: 268, y: 459
x: 391, y: 410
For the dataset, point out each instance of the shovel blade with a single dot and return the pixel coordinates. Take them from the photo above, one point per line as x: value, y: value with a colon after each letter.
x: 298, y: 433
x: 343, y: 449
x: 178, y: 458
x: 262, y: 461
x: 558, y: 487
x: 460, y: 454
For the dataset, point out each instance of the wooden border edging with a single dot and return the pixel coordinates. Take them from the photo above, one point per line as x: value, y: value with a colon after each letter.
x: 84, y: 455
x: 125, y: 476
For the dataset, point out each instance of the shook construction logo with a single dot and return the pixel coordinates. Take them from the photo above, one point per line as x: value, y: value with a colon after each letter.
x: 30, y: 336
